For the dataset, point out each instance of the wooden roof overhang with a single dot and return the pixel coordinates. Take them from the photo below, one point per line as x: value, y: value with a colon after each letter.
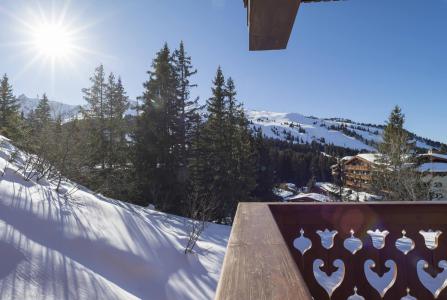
x: 270, y: 22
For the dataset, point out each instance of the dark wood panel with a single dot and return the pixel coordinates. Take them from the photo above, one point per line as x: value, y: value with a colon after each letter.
x: 271, y: 22
x: 393, y: 217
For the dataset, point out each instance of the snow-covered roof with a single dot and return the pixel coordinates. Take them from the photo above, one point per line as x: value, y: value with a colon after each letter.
x: 370, y: 157
x: 436, y: 167
x: 313, y: 196
x: 346, y: 158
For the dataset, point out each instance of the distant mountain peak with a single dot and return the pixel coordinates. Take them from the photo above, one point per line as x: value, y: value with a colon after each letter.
x: 57, y: 108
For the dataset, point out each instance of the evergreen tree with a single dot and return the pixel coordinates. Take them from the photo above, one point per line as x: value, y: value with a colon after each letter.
x: 396, y: 177
x: 95, y: 117
x: 215, y: 147
x: 189, y: 118
x: 188, y: 107
x: 229, y: 169
x: 118, y: 126
x: 443, y: 148
x: 10, y: 122
x: 265, y: 176
x: 158, y: 137
x: 42, y: 113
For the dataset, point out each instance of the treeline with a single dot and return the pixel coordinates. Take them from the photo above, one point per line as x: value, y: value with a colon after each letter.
x: 183, y: 157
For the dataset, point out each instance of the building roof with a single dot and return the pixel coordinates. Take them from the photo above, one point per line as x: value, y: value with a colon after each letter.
x: 435, y: 167
x: 270, y: 22
x: 369, y: 157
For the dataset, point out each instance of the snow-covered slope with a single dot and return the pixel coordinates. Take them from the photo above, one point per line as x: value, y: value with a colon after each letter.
x: 57, y: 108
x: 85, y: 246
x: 302, y: 129
x: 64, y: 110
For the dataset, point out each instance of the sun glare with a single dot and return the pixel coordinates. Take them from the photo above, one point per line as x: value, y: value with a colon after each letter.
x: 52, y: 40
x: 51, y: 37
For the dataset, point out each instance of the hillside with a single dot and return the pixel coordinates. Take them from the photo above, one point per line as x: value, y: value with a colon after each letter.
x: 79, y: 245
x: 340, y: 132
x: 285, y: 126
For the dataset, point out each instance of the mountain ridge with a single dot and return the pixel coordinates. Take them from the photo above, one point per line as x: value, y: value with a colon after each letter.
x: 293, y: 127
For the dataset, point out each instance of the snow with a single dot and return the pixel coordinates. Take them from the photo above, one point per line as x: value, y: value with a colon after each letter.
x: 435, y: 167
x: 371, y: 157
x: 323, y: 131
x: 314, y: 196
x: 348, y: 194
x: 85, y: 246
x: 57, y: 108
x: 315, y: 129
x: 284, y: 194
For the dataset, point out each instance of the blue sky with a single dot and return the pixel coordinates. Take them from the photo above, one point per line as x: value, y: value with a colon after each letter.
x: 353, y: 59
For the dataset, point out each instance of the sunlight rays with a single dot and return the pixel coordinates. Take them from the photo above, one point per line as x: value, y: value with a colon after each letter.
x: 49, y: 38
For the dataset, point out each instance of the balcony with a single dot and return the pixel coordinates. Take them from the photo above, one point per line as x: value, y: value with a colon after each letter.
x: 336, y: 251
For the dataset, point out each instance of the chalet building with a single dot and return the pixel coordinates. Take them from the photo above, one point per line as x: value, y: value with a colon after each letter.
x: 357, y: 172
x: 434, y: 166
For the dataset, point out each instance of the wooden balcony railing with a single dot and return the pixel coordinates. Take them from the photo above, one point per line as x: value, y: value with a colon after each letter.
x: 391, y: 251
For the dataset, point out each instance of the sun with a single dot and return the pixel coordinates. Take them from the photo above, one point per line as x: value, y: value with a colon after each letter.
x: 53, y: 40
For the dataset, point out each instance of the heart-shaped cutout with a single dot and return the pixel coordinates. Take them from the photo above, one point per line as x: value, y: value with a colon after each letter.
x: 381, y: 283
x: 434, y: 284
x: 329, y: 283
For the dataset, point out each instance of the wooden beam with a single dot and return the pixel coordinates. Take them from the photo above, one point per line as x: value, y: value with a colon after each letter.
x: 270, y: 23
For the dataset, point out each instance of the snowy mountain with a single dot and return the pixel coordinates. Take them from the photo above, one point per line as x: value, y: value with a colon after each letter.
x: 61, y: 109
x: 57, y: 108
x: 74, y: 244
x: 340, y: 132
x: 284, y: 126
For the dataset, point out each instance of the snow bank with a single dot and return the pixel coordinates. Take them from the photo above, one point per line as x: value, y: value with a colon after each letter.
x: 89, y: 247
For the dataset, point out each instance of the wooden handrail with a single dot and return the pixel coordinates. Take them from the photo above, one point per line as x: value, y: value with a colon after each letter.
x: 258, y: 264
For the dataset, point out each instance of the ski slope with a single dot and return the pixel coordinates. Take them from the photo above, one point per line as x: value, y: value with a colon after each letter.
x: 339, y: 132
x: 86, y: 246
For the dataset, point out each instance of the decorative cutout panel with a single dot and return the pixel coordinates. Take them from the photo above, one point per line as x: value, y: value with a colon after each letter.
x: 368, y: 251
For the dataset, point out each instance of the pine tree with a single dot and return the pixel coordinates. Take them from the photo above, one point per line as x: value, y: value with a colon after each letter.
x: 395, y: 176
x: 189, y: 118
x: 214, y: 144
x: 95, y: 117
x: 10, y: 123
x: 228, y: 174
x: 443, y: 148
x: 264, y: 168
x: 42, y: 113
x: 120, y: 104
x: 158, y: 137
x: 188, y: 107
